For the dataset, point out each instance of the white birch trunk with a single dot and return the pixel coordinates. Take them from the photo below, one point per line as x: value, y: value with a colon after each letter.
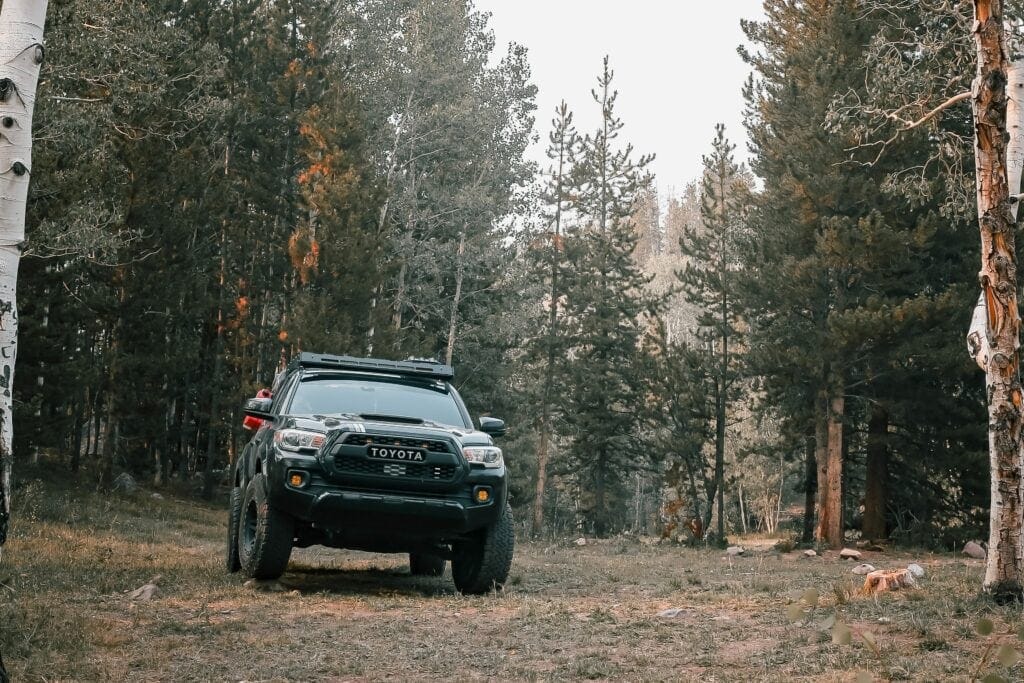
x: 21, y: 54
x: 1014, y: 165
x: 997, y: 170
x: 977, y: 339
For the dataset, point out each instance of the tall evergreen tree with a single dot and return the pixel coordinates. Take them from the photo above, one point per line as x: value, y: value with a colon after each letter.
x: 607, y: 313
x: 709, y: 282
x: 549, y: 346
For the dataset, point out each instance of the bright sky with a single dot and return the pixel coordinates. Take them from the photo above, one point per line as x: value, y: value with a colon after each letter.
x: 675, y: 63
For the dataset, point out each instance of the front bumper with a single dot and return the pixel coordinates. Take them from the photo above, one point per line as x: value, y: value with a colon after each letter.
x: 369, y: 509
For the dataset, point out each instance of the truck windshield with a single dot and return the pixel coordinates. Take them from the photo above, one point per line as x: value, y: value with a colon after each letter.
x: 357, y: 396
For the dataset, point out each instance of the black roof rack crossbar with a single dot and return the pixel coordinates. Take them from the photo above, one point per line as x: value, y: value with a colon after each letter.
x: 405, y: 368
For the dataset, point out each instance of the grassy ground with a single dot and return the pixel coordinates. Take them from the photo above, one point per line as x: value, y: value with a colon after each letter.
x: 571, y: 612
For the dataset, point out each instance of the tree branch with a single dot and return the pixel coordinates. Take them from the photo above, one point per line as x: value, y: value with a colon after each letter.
x: 911, y: 125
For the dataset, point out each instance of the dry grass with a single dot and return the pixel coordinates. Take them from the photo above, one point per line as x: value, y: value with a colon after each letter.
x: 570, y: 612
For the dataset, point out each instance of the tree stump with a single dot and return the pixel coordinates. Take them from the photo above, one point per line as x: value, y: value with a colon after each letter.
x: 885, y: 580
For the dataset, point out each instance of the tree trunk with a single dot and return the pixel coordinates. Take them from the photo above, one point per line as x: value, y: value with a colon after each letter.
x: 830, y: 516
x: 821, y: 462
x: 876, y: 478
x: 720, y: 455
x: 396, y: 317
x: 998, y: 279
x: 110, y: 434
x: 543, y: 446
x: 599, y: 516
x: 21, y: 53
x: 76, y: 436
x: 453, y: 320
x: 810, y: 488
x: 743, y: 510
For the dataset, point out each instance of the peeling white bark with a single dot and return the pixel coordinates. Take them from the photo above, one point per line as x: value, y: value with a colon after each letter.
x: 995, y: 170
x: 21, y: 54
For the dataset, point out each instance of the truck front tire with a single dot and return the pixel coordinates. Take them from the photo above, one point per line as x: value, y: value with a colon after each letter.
x: 483, y: 563
x: 265, y: 534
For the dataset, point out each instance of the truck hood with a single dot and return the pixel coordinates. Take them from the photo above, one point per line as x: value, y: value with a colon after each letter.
x: 334, y: 424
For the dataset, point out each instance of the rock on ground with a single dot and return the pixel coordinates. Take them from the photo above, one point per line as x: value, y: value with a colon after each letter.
x: 810, y: 553
x: 849, y: 554
x: 124, y: 483
x: 670, y: 613
x: 146, y: 592
x: 862, y: 569
x: 916, y: 570
x: 581, y: 541
x: 734, y: 550
x: 972, y: 549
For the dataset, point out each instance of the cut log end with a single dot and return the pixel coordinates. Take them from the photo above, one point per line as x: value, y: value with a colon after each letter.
x: 885, y: 580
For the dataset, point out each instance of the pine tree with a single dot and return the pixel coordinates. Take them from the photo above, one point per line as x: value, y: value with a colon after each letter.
x: 607, y: 313
x: 708, y: 282
x: 548, y: 348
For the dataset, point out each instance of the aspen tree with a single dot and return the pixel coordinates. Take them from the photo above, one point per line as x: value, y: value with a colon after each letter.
x: 21, y: 54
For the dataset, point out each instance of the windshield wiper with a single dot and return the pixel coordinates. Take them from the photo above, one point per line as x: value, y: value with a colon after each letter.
x: 391, y: 418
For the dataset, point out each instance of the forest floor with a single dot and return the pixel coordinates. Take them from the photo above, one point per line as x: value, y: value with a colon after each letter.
x: 570, y: 612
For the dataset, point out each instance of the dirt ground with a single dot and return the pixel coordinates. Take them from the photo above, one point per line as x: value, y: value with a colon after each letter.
x: 570, y: 612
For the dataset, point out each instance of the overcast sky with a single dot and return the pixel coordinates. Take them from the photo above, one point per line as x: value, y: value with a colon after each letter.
x: 675, y: 63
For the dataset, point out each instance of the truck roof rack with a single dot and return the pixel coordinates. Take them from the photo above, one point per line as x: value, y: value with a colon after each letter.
x: 406, y: 368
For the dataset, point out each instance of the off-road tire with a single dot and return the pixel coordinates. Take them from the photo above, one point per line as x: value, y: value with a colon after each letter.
x: 265, y: 534
x: 483, y: 563
x: 234, y: 514
x: 421, y: 564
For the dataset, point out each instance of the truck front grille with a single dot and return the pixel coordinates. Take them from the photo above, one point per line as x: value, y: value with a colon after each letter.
x: 432, y: 445
x: 399, y: 470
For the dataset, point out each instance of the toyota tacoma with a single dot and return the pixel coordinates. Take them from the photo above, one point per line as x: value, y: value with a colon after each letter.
x: 374, y: 455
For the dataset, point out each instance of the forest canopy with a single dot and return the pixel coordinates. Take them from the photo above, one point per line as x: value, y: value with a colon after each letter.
x: 227, y: 184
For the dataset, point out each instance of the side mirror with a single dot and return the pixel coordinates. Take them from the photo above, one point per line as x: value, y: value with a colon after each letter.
x: 492, y: 426
x: 259, y: 408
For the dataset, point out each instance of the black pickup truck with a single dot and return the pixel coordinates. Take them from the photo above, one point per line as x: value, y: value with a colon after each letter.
x: 372, y: 455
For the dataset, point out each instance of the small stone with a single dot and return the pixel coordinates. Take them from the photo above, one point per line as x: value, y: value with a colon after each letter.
x: 734, y: 550
x: 144, y: 593
x: 810, y: 553
x: 156, y: 496
x: 917, y: 570
x: 862, y: 569
x: 849, y: 554
x: 670, y: 613
x: 581, y: 541
x: 972, y: 549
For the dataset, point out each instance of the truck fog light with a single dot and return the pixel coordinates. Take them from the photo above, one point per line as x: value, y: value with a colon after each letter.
x: 297, y: 479
x: 482, y: 494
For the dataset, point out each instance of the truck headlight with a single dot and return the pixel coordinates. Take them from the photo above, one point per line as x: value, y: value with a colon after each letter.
x: 299, y: 440
x: 488, y: 456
